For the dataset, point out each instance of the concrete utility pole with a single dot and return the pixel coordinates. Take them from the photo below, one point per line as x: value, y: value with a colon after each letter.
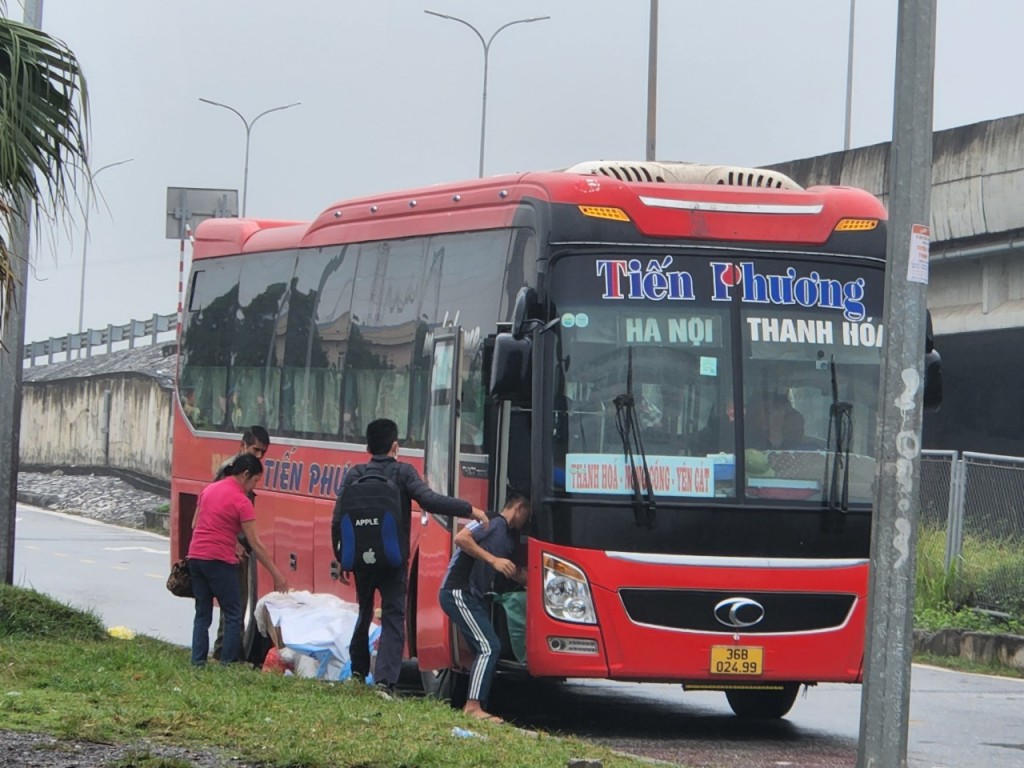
x: 652, y: 86
x: 885, y: 698
x: 11, y: 355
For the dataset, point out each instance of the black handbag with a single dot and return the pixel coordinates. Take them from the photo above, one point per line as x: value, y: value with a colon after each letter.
x: 179, y: 583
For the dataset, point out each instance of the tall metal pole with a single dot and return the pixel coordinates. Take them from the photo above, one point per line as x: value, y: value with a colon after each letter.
x: 885, y: 698
x: 652, y: 84
x: 85, y: 234
x: 849, y: 76
x: 487, y: 49
x: 248, y: 134
x: 11, y: 354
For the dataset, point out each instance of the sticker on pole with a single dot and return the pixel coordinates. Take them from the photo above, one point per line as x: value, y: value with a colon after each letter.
x: 917, y: 266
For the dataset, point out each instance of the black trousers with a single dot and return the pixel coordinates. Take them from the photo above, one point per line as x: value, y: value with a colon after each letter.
x: 391, y: 584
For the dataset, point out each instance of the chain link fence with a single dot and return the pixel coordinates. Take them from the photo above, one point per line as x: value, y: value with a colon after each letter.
x: 972, y: 505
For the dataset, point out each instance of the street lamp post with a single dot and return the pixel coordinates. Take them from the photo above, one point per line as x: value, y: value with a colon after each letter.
x: 487, y: 48
x: 248, y: 133
x: 85, y: 233
x: 849, y: 76
x: 652, y: 85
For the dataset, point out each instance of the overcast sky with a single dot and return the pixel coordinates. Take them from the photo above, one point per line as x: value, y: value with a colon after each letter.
x: 390, y: 97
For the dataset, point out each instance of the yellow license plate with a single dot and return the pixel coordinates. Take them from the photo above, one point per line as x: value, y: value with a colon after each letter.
x: 737, y: 660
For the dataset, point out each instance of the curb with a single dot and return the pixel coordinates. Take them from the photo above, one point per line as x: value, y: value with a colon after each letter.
x: 997, y: 650
x: 44, y: 500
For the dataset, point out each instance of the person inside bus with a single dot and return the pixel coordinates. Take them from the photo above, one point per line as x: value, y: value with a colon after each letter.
x: 223, y: 511
x: 255, y: 442
x: 716, y: 432
x: 482, y: 554
x: 190, y: 409
x: 792, y: 436
x: 382, y: 445
x: 785, y: 424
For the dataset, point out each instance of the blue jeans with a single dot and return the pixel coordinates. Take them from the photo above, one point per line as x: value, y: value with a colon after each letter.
x: 216, y: 579
x: 469, y: 613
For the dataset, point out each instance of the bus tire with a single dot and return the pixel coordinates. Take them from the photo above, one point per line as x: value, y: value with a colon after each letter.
x: 445, y: 685
x: 763, y: 704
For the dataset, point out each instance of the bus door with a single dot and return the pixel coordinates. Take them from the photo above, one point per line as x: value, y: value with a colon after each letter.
x: 434, y: 637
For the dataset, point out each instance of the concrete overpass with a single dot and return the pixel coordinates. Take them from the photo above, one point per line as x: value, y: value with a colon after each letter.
x: 976, y: 280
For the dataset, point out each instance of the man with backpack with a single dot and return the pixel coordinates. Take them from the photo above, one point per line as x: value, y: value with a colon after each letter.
x: 370, y: 536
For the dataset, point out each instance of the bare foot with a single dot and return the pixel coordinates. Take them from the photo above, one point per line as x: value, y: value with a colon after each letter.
x: 479, y: 714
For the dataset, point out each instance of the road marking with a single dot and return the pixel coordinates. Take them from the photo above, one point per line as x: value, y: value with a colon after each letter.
x: 59, y: 554
x: 120, y: 567
x: 155, y: 576
x: 32, y: 546
x: 87, y: 562
x: 150, y: 550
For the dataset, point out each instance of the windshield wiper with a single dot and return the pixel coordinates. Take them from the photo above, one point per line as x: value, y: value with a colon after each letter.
x: 632, y: 444
x: 840, y: 423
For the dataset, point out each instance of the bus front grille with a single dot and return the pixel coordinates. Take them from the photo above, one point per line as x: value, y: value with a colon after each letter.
x: 736, y: 611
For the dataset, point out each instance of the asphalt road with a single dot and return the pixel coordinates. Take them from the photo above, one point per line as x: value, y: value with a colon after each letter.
x: 956, y: 720
x: 117, y: 572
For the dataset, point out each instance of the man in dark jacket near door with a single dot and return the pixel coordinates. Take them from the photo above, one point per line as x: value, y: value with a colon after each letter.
x: 382, y: 445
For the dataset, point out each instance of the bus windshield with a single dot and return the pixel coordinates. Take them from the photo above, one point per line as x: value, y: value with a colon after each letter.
x: 625, y: 352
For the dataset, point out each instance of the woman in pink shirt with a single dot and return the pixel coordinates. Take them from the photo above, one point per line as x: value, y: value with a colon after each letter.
x: 224, y: 510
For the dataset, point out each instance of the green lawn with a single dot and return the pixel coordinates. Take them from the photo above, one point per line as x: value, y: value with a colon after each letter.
x: 62, y: 674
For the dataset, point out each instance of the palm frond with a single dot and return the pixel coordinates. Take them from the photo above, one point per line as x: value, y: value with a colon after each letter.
x: 43, y: 132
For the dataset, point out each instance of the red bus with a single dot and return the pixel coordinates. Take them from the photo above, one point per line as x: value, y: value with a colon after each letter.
x: 679, y: 362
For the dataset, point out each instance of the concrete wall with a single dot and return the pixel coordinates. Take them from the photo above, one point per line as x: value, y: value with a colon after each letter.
x: 977, y: 178
x: 63, y: 423
x: 976, y: 281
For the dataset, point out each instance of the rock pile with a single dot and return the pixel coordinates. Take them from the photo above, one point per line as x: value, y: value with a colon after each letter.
x: 98, y: 497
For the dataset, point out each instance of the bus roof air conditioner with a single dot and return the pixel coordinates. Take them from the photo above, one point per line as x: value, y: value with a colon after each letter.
x: 685, y: 173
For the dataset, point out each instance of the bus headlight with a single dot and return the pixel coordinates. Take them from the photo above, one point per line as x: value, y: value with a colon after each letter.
x: 567, y: 592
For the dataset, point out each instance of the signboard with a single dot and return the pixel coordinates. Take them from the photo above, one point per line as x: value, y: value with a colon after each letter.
x: 187, y: 206
x: 670, y: 475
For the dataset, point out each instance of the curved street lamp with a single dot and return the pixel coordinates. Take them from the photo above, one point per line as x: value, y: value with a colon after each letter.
x: 849, y: 75
x: 85, y: 233
x: 248, y: 133
x: 487, y: 48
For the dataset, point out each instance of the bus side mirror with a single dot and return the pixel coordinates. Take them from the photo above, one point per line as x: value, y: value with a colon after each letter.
x: 510, y: 368
x: 523, y: 313
x: 932, y: 381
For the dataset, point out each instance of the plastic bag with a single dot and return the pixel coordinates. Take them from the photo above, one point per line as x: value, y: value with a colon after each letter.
x: 514, y: 604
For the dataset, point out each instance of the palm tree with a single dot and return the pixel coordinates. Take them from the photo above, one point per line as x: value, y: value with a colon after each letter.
x: 43, y: 132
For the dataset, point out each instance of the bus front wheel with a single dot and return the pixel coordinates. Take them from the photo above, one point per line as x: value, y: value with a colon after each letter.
x: 763, y: 704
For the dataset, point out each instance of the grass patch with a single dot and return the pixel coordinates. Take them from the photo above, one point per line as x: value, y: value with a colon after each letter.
x: 947, y: 600
x: 30, y: 614
x: 61, y: 674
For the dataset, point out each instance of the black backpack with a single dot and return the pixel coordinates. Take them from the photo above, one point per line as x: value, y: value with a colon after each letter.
x: 371, y: 533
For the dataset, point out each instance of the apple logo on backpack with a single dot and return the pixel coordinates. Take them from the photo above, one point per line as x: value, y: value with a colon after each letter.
x: 368, y: 557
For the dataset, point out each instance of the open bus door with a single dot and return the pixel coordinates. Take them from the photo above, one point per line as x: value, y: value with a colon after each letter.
x: 435, y: 638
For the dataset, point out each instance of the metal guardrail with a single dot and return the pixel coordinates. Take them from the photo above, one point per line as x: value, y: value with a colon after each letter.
x: 106, y: 337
